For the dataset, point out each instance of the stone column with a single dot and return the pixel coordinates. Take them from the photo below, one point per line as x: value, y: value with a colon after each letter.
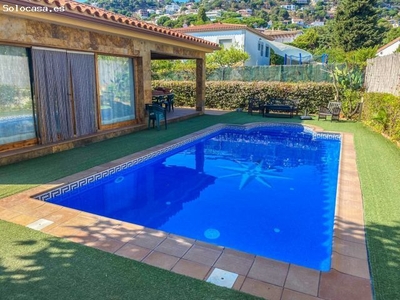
x: 200, y: 84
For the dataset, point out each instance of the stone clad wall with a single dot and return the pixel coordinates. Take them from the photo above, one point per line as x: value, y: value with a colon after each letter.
x: 50, y: 35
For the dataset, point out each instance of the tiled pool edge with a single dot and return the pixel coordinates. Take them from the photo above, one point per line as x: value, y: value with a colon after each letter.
x: 349, y: 275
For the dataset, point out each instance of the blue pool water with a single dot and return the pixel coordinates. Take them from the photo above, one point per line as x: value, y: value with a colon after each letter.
x: 268, y: 191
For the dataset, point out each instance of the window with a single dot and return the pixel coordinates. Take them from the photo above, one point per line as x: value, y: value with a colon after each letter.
x: 225, y: 43
x: 262, y: 49
x: 266, y: 51
x: 116, y: 89
x: 17, y: 122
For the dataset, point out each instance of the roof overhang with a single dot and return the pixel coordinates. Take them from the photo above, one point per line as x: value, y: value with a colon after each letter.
x: 85, y: 17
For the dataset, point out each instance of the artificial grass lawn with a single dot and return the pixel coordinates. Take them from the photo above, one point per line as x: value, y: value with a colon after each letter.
x: 37, y: 266
x: 378, y: 162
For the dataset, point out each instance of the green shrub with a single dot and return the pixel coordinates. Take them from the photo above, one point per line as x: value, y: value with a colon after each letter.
x: 230, y: 95
x: 382, y: 113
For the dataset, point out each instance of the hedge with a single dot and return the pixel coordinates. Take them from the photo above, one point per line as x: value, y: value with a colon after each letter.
x: 230, y: 95
x: 382, y: 112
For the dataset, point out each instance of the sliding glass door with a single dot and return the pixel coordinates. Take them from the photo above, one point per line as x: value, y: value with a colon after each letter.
x: 117, y: 101
x: 16, y: 109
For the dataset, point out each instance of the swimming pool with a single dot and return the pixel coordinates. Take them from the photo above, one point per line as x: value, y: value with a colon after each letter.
x: 268, y: 190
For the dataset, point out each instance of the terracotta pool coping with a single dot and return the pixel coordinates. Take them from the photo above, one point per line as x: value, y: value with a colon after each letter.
x: 349, y: 277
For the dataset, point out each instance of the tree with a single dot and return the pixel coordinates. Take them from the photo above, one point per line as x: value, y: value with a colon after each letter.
x: 392, y: 34
x: 201, y: 16
x: 228, y: 57
x: 356, y: 25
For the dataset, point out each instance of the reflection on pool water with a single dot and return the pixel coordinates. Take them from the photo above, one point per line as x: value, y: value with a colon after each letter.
x: 266, y: 190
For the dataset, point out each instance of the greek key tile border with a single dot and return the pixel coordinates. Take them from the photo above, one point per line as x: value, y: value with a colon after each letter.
x: 92, y: 178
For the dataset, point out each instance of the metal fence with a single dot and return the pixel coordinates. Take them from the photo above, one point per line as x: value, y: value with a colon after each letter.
x: 283, y: 73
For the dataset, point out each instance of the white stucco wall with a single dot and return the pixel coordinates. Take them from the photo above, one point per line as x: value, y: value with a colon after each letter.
x: 242, y: 39
x: 389, y: 50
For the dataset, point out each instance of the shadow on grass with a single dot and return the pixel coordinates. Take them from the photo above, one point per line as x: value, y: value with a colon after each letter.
x: 34, y: 265
x: 384, y: 240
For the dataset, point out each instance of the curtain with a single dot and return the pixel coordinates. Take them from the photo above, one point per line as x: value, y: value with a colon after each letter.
x: 83, y: 91
x: 16, y: 109
x: 117, y: 101
x: 51, y: 87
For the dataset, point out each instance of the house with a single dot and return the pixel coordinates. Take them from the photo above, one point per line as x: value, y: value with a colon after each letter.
x: 238, y: 35
x: 245, y: 12
x: 282, y: 36
x: 389, y: 48
x: 252, y: 41
x: 212, y: 15
x: 297, y: 21
x: 317, y: 23
x: 76, y: 73
x: 289, y: 7
x: 143, y: 13
x: 172, y: 8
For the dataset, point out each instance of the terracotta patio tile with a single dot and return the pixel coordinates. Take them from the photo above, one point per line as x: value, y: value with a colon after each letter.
x: 11, y: 201
x: 148, y: 240
x: 293, y: 295
x: 239, y: 282
x: 338, y: 286
x: 108, y: 244
x: 72, y: 234
x: 23, y: 219
x: 303, y: 280
x: 175, y: 247
x: 209, y: 246
x: 234, y: 263
x: 44, y: 210
x: 239, y: 254
x: 80, y: 221
x: 191, y: 269
x: 203, y: 255
x: 133, y: 252
x: 7, y: 215
x: 59, y: 217
x: 161, y: 260
x: 350, y: 265
x: 26, y: 206
x: 349, y: 248
x: 261, y: 289
x: 269, y: 270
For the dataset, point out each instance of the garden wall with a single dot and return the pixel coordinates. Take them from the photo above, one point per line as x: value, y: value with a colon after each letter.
x: 383, y: 74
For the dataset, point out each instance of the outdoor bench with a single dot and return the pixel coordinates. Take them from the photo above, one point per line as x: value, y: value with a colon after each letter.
x: 285, y: 106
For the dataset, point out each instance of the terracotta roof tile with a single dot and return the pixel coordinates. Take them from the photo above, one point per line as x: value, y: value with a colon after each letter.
x: 100, y: 13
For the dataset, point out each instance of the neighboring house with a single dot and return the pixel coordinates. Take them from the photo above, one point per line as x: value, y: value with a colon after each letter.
x: 389, y: 48
x: 302, y: 2
x: 290, y: 7
x: 299, y: 22
x: 79, y: 74
x: 214, y: 14
x: 245, y: 12
x: 252, y: 41
x: 317, y: 23
x: 143, y: 13
x: 237, y: 35
x: 172, y: 8
x: 282, y: 36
